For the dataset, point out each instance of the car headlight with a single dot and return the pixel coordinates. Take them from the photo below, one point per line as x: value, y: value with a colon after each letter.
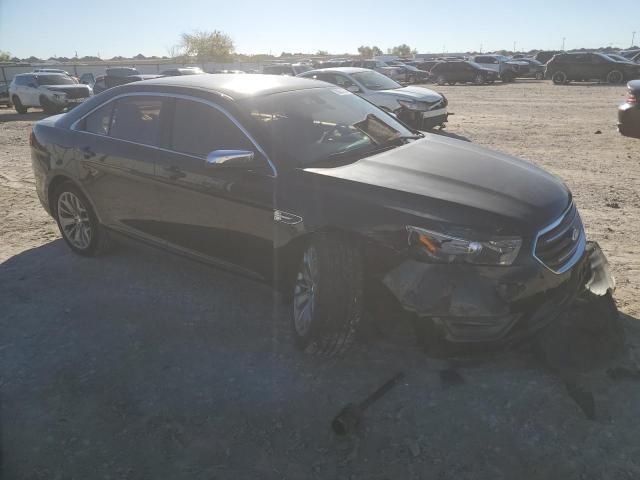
x: 445, y: 248
x: 411, y: 105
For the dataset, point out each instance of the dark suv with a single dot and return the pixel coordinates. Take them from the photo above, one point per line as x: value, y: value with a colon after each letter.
x: 462, y: 72
x: 568, y: 67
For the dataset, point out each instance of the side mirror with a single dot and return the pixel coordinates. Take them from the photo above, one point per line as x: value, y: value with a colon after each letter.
x: 230, y: 158
x: 353, y: 89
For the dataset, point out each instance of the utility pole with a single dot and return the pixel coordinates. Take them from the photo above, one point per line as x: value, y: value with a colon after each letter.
x: 514, y: 46
x: 633, y: 38
x: 563, y: 40
x: 480, y: 47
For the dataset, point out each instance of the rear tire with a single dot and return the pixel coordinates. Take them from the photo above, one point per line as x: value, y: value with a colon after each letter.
x: 328, y: 296
x: 17, y: 104
x: 559, y: 78
x: 77, y: 222
x: 614, y: 77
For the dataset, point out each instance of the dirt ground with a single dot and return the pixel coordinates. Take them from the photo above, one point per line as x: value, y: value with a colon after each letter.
x: 141, y: 365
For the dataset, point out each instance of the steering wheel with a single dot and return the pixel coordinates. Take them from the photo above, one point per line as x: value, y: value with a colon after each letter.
x: 338, y: 133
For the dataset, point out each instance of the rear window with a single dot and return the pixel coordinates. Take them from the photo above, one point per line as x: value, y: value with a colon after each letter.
x: 137, y: 119
x: 99, y: 121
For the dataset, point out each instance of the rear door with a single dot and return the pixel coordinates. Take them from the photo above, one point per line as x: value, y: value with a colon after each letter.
x: 222, y: 213
x: 117, y: 146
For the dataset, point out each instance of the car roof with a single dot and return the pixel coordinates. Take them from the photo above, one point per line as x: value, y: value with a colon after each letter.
x: 236, y: 86
x: 340, y: 70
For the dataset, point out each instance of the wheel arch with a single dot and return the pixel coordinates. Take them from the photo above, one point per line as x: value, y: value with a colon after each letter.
x: 58, y: 179
x: 288, y: 256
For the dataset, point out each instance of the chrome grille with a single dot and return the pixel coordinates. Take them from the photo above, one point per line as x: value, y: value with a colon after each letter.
x: 560, y: 245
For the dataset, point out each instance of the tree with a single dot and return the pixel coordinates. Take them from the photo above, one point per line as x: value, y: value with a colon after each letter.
x: 322, y: 53
x: 5, y: 56
x: 369, y: 52
x: 403, y: 50
x: 365, y: 51
x: 139, y: 57
x: 207, y: 46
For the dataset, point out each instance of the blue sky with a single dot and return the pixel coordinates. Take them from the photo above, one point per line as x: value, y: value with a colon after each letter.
x: 128, y: 27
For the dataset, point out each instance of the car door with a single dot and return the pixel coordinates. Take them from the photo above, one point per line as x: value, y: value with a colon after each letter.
x: 29, y: 94
x: 117, y: 145
x: 224, y: 214
x: 580, y: 66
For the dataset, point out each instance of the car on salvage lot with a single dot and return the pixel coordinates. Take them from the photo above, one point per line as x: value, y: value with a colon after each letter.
x: 324, y: 195
x: 419, y: 107
x: 50, y: 91
x: 582, y: 67
x: 456, y: 71
x: 629, y: 112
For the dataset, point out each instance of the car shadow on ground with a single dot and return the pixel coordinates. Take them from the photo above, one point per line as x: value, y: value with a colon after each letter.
x: 13, y: 116
x: 141, y: 364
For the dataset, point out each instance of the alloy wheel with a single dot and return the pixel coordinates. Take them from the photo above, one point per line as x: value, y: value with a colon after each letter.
x: 74, y: 220
x: 304, y: 294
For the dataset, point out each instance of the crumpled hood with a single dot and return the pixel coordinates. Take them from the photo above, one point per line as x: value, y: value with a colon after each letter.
x: 414, y: 93
x: 458, y: 181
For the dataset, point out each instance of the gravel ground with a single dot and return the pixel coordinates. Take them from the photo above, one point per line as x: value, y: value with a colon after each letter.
x: 141, y: 365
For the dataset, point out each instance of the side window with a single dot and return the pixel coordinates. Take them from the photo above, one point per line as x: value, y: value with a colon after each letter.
x: 98, y: 122
x: 199, y: 129
x: 137, y: 119
x: 343, y: 81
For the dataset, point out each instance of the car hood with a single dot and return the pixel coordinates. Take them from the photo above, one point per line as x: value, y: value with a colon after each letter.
x: 413, y: 93
x: 458, y: 182
x: 67, y: 88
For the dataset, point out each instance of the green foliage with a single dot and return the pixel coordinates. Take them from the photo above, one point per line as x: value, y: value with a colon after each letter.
x: 207, y: 46
x: 5, y: 56
x: 403, y: 50
x: 369, y: 52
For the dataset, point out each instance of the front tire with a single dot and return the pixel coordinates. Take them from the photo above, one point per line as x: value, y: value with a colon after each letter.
x: 17, y: 104
x: 77, y: 221
x: 328, y: 296
x: 559, y: 78
x: 49, y: 107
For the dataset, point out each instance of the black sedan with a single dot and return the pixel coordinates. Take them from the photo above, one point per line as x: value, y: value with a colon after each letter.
x: 629, y: 112
x: 310, y: 187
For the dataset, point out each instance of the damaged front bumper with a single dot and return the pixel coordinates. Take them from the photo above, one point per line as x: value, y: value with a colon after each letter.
x: 471, y: 303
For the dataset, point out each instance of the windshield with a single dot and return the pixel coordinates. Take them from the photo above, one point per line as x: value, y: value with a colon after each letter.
x: 54, y: 80
x: 305, y: 127
x: 619, y: 58
x: 375, y: 81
